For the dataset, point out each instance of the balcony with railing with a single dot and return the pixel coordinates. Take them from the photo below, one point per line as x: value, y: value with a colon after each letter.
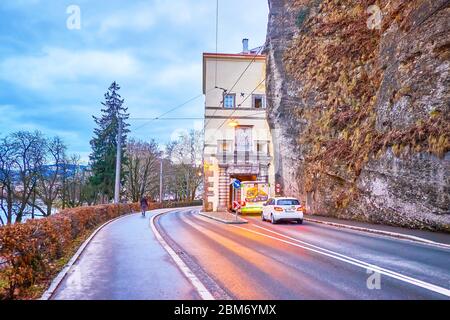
x: 230, y: 154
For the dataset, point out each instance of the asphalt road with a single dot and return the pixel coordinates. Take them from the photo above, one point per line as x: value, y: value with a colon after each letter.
x: 124, y: 261
x: 309, y: 261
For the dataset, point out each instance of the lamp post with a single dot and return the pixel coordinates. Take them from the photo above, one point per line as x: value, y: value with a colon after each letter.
x: 118, y: 163
x: 161, y: 181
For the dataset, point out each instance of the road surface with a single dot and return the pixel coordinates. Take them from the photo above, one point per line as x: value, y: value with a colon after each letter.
x: 309, y: 261
x: 253, y: 261
x: 124, y: 261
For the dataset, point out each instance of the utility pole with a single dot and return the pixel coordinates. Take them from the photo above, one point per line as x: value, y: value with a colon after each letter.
x: 161, y: 181
x: 118, y: 163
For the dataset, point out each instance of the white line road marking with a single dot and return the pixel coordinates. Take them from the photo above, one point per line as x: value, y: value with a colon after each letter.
x: 198, y: 285
x: 349, y: 260
x: 326, y: 250
x: 389, y: 234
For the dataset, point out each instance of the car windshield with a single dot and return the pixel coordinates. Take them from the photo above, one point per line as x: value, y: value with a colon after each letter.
x: 288, y: 202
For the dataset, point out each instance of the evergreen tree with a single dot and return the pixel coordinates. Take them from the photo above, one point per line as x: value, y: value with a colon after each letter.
x: 104, y: 143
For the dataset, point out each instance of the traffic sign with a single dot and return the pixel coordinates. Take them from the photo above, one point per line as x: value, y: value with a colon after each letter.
x: 278, y: 189
x: 236, y: 184
x: 236, y: 205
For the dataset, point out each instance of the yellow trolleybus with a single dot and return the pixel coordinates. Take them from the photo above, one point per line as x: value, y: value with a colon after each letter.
x: 253, y: 195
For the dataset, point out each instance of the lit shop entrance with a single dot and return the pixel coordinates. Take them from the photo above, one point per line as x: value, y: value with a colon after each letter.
x: 237, y: 193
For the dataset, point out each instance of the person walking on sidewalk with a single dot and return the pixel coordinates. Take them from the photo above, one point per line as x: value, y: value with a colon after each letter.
x: 144, y: 206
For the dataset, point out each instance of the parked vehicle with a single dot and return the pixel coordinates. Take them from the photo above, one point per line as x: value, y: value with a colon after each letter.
x: 282, y: 209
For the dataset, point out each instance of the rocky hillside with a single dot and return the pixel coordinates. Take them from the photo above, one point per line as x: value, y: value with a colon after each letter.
x: 359, y: 103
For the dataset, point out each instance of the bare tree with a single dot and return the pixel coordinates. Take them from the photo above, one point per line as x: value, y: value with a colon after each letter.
x: 72, y: 184
x: 49, y: 182
x: 185, y: 158
x: 7, y: 176
x: 76, y: 189
x: 142, y: 169
x: 22, y: 158
x: 36, y: 176
x: 29, y: 159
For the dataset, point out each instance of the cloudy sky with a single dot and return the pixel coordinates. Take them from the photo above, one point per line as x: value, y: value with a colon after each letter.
x: 52, y: 78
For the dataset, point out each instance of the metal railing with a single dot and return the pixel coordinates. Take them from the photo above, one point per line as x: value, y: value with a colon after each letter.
x: 243, y: 157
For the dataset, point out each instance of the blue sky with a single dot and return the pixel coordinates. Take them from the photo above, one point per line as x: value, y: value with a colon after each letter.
x: 53, y: 79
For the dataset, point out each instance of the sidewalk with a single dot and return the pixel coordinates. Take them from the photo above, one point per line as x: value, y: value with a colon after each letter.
x: 439, y: 237
x: 124, y: 261
x: 224, y: 217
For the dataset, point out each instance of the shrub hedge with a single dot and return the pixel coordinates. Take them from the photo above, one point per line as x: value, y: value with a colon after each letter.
x: 29, y: 251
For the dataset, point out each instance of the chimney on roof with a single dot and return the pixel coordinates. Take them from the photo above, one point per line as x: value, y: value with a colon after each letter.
x: 245, y: 46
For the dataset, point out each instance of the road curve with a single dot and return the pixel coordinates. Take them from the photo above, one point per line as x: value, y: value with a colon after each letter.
x: 124, y: 261
x: 310, y: 261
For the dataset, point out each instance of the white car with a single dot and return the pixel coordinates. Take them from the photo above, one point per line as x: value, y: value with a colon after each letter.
x: 282, y: 209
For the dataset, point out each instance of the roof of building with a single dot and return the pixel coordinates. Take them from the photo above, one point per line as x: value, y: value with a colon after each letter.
x: 254, y: 51
x: 258, y: 52
x: 234, y: 55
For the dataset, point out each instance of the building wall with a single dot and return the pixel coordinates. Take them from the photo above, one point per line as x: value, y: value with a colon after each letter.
x: 229, y: 68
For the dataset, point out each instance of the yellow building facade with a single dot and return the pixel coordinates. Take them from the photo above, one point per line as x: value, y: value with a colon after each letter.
x: 238, y: 142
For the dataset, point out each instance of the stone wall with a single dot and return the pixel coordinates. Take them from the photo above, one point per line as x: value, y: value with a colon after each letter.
x: 282, y: 96
x: 361, y: 118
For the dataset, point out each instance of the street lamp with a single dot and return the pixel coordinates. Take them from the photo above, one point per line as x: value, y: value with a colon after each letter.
x: 233, y: 123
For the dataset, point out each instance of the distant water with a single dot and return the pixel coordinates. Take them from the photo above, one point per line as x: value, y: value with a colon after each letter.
x: 27, y: 217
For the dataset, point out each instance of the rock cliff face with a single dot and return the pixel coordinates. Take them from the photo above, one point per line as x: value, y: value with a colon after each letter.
x: 359, y: 103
